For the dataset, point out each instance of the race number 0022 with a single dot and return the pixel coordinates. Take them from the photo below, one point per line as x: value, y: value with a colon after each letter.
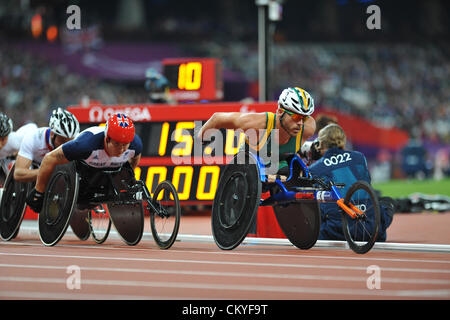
x: 334, y: 160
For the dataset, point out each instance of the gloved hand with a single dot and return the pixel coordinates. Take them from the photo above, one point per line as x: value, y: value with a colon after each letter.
x: 35, y: 200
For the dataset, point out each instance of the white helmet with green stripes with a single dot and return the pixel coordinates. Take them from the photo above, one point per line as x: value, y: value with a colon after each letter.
x: 296, y: 100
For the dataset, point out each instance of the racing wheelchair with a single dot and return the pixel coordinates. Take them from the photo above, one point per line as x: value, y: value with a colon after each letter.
x: 81, y: 195
x: 295, y: 200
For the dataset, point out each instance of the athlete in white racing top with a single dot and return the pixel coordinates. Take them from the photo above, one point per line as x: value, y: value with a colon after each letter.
x: 10, y: 141
x: 97, y: 147
x: 63, y: 127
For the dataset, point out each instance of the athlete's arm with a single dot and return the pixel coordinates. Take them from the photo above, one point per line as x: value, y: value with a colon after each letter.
x: 50, y: 161
x: 22, y: 171
x: 234, y: 120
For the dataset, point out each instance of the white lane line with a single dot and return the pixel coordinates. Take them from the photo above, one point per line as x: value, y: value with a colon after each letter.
x: 255, y: 264
x: 77, y: 296
x: 434, y: 293
x: 234, y: 274
x: 296, y: 254
x: 389, y: 246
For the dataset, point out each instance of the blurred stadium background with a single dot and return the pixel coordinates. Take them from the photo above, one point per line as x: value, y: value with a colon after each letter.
x: 394, y: 77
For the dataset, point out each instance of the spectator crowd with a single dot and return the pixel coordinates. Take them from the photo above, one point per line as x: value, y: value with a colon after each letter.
x: 402, y: 85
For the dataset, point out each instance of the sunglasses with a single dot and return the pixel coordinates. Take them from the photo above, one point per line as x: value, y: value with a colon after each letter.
x: 296, y: 117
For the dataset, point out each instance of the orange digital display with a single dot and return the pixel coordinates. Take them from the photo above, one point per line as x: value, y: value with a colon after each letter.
x: 194, y: 79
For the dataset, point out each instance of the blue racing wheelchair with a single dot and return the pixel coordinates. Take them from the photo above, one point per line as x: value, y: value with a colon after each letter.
x: 295, y: 200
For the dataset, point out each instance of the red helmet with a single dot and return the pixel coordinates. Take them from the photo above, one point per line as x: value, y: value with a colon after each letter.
x: 120, y: 128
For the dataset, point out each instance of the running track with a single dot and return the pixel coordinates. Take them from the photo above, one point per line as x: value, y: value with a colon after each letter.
x: 193, y: 270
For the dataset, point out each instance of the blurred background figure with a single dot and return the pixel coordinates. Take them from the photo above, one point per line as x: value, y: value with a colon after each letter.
x: 414, y: 160
x: 157, y: 87
x: 322, y: 120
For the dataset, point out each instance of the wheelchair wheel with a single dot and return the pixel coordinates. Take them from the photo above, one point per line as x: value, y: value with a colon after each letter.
x: 79, y: 223
x: 99, y: 223
x: 128, y: 219
x: 59, y: 202
x: 300, y: 222
x: 12, y: 206
x: 165, y: 220
x: 361, y: 233
x: 236, y: 201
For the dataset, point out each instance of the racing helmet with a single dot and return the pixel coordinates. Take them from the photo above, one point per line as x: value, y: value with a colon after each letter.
x: 296, y: 100
x: 6, y: 125
x: 64, y: 123
x: 120, y: 128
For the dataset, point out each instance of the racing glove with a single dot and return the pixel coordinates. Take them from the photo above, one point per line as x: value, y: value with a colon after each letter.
x: 35, y: 200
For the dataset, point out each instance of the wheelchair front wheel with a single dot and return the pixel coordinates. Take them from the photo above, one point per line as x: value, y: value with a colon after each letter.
x: 165, y: 219
x: 361, y: 232
x: 99, y: 223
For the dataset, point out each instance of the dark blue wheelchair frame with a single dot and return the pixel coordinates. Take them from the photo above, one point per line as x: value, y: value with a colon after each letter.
x: 306, y: 188
x: 330, y: 192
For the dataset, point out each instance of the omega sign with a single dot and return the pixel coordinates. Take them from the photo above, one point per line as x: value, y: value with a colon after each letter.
x: 98, y: 114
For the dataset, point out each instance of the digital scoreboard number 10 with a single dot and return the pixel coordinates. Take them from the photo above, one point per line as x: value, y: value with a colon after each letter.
x: 194, y: 79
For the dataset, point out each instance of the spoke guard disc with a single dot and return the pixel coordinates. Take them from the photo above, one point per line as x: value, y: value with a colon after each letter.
x: 236, y: 203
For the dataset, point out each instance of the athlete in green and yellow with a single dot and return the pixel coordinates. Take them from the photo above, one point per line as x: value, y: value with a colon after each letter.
x: 292, y: 120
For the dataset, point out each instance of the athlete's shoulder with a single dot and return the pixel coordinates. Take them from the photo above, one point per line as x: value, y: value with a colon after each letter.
x: 136, y: 144
x: 82, y: 146
x: 357, y: 155
x: 26, y: 129
x: 35, y: 136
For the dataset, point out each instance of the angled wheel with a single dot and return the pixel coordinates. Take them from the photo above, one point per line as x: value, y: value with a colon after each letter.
x: 79, y: 223
x: 12, y: 206
x: 127, y: 216
x: 300, y: 222
x: 165, y: 220
x: 59, y: 202
x: 128, y: 219
x: 236, y: 201
x: 361, y: 233
x: 99, y: 223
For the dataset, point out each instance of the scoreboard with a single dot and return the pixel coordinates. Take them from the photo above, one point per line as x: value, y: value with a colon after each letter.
x: 170, y: 151
x: 193, y: 79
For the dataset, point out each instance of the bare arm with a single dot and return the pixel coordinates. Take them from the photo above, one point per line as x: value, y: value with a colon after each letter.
x: 22, y: 171
x: 234, y: 120
x: 50, y: 161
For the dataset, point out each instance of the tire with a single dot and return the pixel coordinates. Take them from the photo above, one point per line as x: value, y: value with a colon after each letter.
x: 59, y: 202
x: 99, y: 223
x: 12, y: 206
x: 165, y: 221
x: 236, y: 201
x: 361, y: 233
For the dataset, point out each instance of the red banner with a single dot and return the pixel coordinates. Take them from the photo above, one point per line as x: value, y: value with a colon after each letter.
x: 358, y: 130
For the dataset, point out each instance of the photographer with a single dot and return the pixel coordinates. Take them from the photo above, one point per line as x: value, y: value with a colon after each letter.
x: 353, y: 167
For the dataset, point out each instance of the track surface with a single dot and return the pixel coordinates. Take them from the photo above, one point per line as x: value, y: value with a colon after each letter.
x: 200, y: 270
